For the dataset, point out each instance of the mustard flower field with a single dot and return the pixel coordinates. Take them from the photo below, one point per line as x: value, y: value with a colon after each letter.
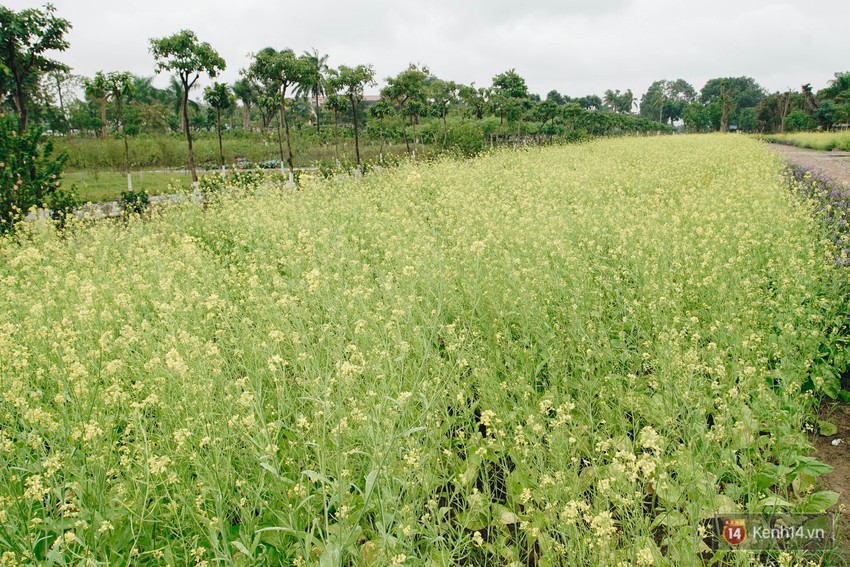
x: 561, y: 356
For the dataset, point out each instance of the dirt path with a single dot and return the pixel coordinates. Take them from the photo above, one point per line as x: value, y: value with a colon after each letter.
x: 838, y: 456
x: 834, y: 166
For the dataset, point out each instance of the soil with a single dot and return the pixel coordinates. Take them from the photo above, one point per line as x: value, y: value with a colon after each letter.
x: 833, y: 165
x: 838, y: 456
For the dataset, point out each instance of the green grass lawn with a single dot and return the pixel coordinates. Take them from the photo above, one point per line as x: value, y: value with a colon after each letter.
x: 107, y: 185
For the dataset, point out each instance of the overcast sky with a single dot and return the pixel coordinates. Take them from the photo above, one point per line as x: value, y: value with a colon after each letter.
x: 575, y: 46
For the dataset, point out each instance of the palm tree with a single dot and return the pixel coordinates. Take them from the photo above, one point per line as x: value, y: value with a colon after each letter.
x: 809, y: 102
x: 173, y: 97
x: 246, y: 91
x: 313, y: 83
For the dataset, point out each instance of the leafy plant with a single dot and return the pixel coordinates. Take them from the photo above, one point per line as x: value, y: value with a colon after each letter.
x: 134, y: 202
x: 30, y: 175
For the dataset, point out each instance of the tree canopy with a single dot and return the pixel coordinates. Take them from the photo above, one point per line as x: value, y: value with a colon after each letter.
x: 26, y: 38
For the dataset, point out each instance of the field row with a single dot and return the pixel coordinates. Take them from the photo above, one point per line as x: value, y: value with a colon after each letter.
x: 563, y: 356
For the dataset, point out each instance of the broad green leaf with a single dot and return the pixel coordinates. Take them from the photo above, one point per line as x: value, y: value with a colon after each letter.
x: 812, y: 467
x: 826, y: 428
x: 819, y: 502
x: 775, y: 501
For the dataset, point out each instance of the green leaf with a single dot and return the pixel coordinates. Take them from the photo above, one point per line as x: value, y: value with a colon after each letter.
x: 370, y: 483
x: 819, y: 502
x: 812, y: 467
x: 241, y: 547
x: 831, y: 383
x: 670, y: 519
x: 472, y: 520
x: 775, y: 501
x: 504, y: 515
x: 331, y: 556
x: 826, y: 428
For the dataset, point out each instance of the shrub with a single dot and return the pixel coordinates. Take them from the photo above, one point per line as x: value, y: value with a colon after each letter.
x: 134, y: 202
x: 29, y: 175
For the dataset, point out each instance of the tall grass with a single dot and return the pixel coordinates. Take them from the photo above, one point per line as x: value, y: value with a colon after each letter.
x: 563, y: 356
x: 814, y: 140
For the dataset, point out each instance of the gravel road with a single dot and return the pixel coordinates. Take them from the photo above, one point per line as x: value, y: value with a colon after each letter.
x: 832, y: 165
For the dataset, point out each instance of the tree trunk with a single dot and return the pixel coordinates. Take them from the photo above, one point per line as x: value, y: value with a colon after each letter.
x: 445, y: 131
x: 185, y: 110
x: 288, y: 141
x: 404, y: 134
x: 61, y: 99
x: 336, y: 136
x: 280, y: 143
x: 381, y: 151
x: 318, y: 129
x: 724, y: 117
x: 356, y: 135
x: 246, y: 119
x: 126, y: 144
x: 220, y: 146
x: 413, y: 123
x: 20, y: 99
x: 103, y: 118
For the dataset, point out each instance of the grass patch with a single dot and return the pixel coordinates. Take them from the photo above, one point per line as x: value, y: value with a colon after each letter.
x: 826, y: 141
x: 107, y: 185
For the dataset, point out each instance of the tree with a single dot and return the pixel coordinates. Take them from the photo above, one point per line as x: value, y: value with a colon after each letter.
x: 119, y: 87
x: 59, y: 82
x: 26, y: 37
x: 313, y: 81
x: 381, y: 110
x: 619, y: 102
x: 773, y: 110
x: 442, y: 95
x: 799, y: 120
x: 696, y: 117
x: 219, y: 97
x: 557, y: 97
x: 353, y: 81
x: 546, y: 111
x: 246, y: 91
x: 510, y: 84
x: 96, y: 91
x: 407, y: 92
x: 336, y: 104
x: 666, y: 100
x: 184, y: 55
x: 731, y: 94
x: 838, y: 85
x: 277, y: 72
x: 810, y: 103
x: 474, y: 100
x: 589, y: 102
x: 509, y: 97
